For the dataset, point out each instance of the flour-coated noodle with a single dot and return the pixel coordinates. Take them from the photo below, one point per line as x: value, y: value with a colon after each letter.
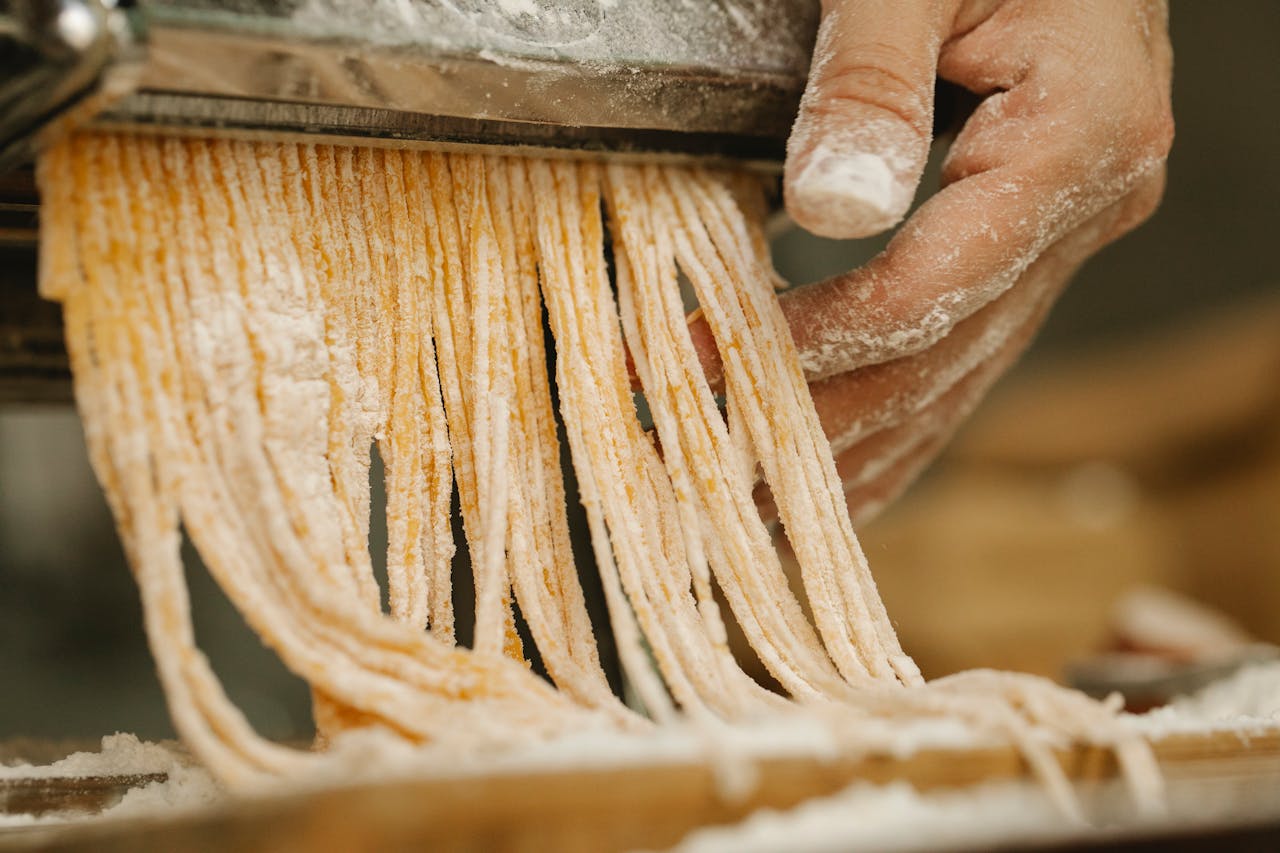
x: 246, y: 321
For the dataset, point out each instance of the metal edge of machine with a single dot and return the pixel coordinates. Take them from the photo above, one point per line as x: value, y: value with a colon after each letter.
x: 258, y: 69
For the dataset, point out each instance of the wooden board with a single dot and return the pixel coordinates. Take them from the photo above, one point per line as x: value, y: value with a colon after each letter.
x: 1218, y: 776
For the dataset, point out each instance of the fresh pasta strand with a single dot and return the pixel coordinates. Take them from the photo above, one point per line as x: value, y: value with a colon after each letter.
x: 612, y: 453
x: 644, y: 211
x: 542, y: 569
x: 694, y: 437
x: 246, y: 321
x: 316, y: 620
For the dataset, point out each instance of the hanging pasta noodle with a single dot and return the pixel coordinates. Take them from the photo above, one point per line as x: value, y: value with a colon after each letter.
x: 715, y: 248
x: 246, y: 321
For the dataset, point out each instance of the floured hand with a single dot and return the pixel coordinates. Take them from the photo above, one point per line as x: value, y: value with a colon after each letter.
x: 1065, y: 153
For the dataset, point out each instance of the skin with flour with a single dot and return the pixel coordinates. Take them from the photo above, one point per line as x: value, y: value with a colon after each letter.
x: 1065, y: 154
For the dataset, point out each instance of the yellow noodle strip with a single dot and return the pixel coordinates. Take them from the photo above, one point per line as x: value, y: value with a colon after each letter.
x: 304, y: 609
x: 322, y: 242
x: 1022, y: 708
x: 696, y: 439
x: 437, y: 476
x: 107, y: 346
x: 464, y: 304
x: 245, y: 327
x: 750, y: 333
x: 541, y: 559
x: 614, y: 459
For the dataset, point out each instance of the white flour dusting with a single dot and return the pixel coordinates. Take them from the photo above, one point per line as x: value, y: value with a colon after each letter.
x: 121, y: 755
x: 732, y: 33
x: 861, y: 817
x: 892, y: 817
x: 856, y: 191
x: 368, y: 755
x: 897, y: 817
x: 1246, y: 702
x: 518, y: 7
x: 186, y: 786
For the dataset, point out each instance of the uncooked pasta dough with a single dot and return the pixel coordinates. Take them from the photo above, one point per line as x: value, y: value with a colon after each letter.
x: 247, y: 320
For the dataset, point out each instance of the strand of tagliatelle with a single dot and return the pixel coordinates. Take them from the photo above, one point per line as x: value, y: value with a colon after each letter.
x: 246, y: 320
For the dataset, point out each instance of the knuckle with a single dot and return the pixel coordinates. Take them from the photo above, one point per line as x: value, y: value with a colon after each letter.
x: 874, y: 80
x: 1139, y: 142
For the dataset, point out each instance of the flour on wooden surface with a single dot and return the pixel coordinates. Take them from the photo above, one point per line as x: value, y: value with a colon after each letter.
x: 1246, y: 702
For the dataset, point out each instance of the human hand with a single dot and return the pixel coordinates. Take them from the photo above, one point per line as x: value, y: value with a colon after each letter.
x: 1065, y: 154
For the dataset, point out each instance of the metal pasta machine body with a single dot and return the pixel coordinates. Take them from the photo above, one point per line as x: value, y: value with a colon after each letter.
x: 667, y: 79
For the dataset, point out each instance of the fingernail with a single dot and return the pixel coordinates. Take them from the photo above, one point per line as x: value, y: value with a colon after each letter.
x: 844, y: 194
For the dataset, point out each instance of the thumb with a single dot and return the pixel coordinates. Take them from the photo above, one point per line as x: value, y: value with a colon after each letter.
x: 862, y: 136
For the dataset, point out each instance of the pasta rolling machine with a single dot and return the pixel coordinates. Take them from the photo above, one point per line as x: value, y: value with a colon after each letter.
x: 667, y: 79
x: 652, y: 77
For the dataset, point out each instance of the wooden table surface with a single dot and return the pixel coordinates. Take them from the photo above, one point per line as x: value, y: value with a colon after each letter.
x: 1218, y: 779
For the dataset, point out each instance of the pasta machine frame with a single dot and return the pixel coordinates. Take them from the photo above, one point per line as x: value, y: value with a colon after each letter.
x: 714, y: 80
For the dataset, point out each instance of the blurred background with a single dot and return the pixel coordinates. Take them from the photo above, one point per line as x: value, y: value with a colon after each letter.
x: 1137, y: 444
